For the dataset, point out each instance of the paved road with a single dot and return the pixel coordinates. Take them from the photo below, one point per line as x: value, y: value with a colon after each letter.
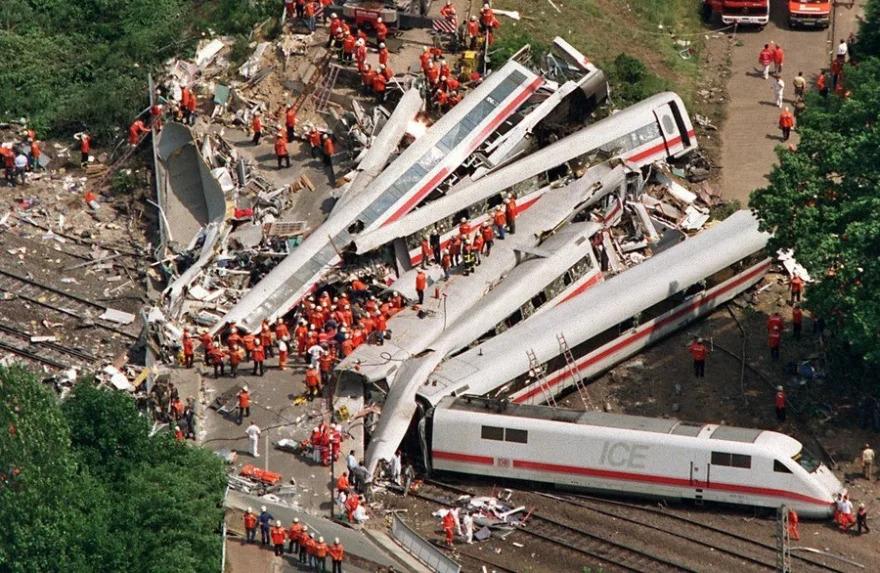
x: 750, y: 134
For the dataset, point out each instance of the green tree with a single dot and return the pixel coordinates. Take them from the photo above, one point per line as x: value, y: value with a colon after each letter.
x: 84, y: 487
x: 822, y: 203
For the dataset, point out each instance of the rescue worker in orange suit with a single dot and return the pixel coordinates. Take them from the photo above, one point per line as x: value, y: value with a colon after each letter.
x: 488, y: 237
x: 427, y: 252
x: 244, y: 404
x: 235, y: 356
x: 248, y: 342
x: 797, y: 288
x: 135, y: 131
x: 329, y: 150
x: 473, y: 32
x: 510, y: 212
x: 774, y: 333
x: 266, y: 340
x: 216, y: 354
x: 188, y: 349
x: 321, y: 555
x: 290, y: 121
x: 257, y: 127
x: 381, y: 31
x: 304, y: 538
x: 311, y: 546
x: 793, y: 525
x: 85, y: 146
x: 279, y: 534
x: 207, y: 343
x: 250, y: 526
x: 780, y: 403
x: 293, y: 534
x: 281, y: 150
x: 383, y: 55
x: 315, y: 141
x: 379, y: 87
x: 797, y: 320
x: 283, y: 350
x: 259, y: 356
x: 499, y: 218
x: 348, y: 42
x: 367, y: 77
x: 774, y: 338
x: 421, y: 285
x: 449, y: 527
x: 337, y: 552
x: 699, y: 351
x: 786, y: 122
x: 313, y: 382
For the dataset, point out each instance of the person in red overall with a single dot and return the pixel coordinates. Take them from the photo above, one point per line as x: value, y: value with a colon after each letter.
x: 248, y: 342
x: 188, y: 349
x: 699, y: 351
x: 780, y: 403
x: 449, y: 527
x: 266, y: 340
x: 259, y: 356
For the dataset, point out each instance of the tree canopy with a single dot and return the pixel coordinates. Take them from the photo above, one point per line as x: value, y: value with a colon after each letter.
x: 68, y: 65
x: 823, y: 201
x: 83, y: 484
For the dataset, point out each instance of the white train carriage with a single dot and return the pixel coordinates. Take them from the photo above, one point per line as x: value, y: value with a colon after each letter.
x: 629, y: 455
x: 611, y: 321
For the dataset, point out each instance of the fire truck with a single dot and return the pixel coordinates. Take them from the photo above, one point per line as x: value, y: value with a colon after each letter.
x: 813, y: 13
x: 740, y: 12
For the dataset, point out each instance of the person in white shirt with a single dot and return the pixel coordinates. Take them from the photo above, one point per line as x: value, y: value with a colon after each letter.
x: 842, y: 50
x: 253, y: 434
x: 21, y: 163
x: 316, y: 352
x: 467, y: 523
x: 396, y: 468
x: 779, y: 89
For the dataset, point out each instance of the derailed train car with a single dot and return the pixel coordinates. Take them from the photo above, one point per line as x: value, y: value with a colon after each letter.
x: 628, y: 455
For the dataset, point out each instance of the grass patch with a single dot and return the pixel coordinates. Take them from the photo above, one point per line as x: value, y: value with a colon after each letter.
x: 605, y: 30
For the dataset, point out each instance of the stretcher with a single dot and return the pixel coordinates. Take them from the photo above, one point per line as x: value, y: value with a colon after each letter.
x: 262, y: 476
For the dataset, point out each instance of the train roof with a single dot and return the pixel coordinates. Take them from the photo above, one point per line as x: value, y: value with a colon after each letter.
x: 606, y: 305
x: 671, y: 426
x: 566, y: 149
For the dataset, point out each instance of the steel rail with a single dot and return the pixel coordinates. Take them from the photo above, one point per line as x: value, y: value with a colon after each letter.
x: 573, y: 498
x: 52, y: 345
x: 572, y: 529
x: 31, y: 355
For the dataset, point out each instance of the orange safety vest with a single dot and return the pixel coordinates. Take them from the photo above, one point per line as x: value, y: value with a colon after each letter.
x: 250, y: 521
x: 421, y: 281
x: 336, y: 552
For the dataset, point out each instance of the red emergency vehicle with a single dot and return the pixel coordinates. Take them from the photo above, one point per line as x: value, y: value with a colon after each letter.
x: 813, y: 13
x: 741, y: 12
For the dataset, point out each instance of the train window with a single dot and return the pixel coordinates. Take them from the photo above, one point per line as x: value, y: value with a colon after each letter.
x: 807, y: 460
x: 780, y: 467
x: 492, y: 433
x: 518, y: 436
x: 731, y: 460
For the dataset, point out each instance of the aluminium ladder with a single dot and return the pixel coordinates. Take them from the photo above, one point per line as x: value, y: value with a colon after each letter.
x: 574, y: 372
x: 540, y: 376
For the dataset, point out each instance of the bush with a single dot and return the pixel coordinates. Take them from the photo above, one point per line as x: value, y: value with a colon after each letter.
x: 84, y: 487
x: 508, y: 44
x: 631, y: 81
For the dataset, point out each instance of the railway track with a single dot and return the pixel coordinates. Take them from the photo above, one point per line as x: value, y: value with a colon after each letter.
x: 55, y: 299
x: 757, y: 554
x: 646, y: 528
x: 607, y: 552
x: 51, y: 354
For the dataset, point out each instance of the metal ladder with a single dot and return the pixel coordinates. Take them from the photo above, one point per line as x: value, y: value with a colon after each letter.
x: 536, y: 367
x: 783, y: 543
x: 322, y: 93
x: 573, y: 371
x: 317, y: 76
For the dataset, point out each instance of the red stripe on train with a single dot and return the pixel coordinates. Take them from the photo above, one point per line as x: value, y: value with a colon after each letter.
x: 631, y: 477
x: 648, y: 330
x: 483, y: 134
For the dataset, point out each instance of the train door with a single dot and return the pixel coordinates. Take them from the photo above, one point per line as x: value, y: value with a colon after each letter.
x: 665, y: 119
x: 700, y: 475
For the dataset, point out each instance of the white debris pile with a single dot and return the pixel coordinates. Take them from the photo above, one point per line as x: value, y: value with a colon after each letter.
x: 479, y: 518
